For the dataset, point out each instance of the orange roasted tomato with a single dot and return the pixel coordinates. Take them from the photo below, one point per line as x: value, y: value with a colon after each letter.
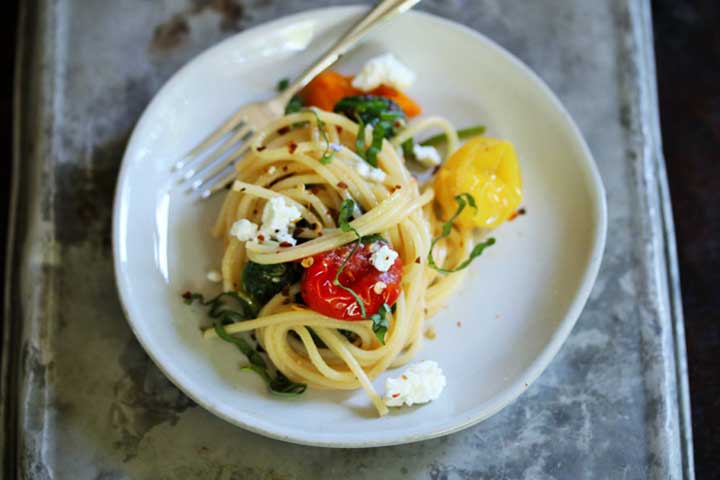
x: 373, y: 286
x: 489, y: 170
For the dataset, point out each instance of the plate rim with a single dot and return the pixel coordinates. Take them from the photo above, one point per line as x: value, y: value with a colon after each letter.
x: 537, y: 366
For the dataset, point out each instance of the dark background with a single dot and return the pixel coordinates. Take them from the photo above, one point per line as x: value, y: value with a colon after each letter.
x: 687, y: 44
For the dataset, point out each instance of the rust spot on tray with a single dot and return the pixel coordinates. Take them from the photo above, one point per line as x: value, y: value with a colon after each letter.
x: 87, y: 195
x: 230, y: 11
x: 173, y: 32
x: 170, y: 34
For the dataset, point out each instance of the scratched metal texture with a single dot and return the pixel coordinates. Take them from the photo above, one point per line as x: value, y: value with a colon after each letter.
x: 81, y: 400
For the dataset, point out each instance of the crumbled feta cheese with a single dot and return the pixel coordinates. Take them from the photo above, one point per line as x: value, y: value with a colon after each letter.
x: 277, y: 218
x: 214, y: 276
x: 271, y: 170
x: 366, y: 170
x: 384, y: 70
x: 243, y: 230
x: 383, y: 257
x: 426, y: 156
x: 379, y: 287
x: 420, y: 383
x: 335, y: 147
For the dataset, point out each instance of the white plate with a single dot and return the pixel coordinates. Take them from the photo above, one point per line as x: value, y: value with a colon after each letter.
x: 499, y: 333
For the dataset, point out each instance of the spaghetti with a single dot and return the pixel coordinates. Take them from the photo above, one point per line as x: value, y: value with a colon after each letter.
x: 284, y: 161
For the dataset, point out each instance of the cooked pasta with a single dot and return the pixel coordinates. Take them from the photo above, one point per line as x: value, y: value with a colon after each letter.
x: 282, y: 161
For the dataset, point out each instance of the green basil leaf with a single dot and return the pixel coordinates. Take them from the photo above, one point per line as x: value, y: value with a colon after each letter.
x: 380, y: 322
x: 463, y: 134
x: 462, y: 200
x: 222, y: 315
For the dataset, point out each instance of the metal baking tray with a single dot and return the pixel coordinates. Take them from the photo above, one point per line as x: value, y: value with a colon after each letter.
x: 80, y: 399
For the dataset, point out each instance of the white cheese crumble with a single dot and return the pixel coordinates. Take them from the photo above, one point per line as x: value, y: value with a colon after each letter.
x: 277, y: 218
x: 426, y: 156
x: 366, y: 170
x: 335, y: 147
x: 243, y: 230
x: 214, y: 276
x: 271, y: 170
x: 383, y: 257
x: 421, y: 383
x: 384, y: 70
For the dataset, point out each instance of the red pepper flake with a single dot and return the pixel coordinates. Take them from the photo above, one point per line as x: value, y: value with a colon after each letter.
x: 315, y: 190
x: 342, y: 185
x: 339, y: 129
x: 520, y: 211
x: 285, y: 168
x: 292, y: 147
x: 398, y: 187
x: 286, y: 244
x: 283, y: 130
x: 255, y: 212
x: 187, y: 295
x: 436, y: 169
x: 261, y: 148
x: 417, y: 260
x: 395, y: 395
x: 261, y: 237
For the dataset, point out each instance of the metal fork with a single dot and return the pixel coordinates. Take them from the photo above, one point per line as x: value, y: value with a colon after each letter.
x: 209, y: 167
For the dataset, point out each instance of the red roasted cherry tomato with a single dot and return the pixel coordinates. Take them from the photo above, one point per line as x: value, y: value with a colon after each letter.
x: 373, y: 286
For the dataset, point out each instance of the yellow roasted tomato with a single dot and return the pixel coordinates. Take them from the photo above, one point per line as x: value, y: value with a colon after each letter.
x: 488, y: 169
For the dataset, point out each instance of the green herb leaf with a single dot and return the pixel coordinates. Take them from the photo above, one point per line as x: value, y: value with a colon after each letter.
x: 252, y: 355
x: 360, y: 138
x: 463, y: 133
x: 375, y: 237
x: 295, y: 105
x: 463, y: 200
x: 336, y: 280
x: 282, y: 85
x: 383, y: 114
x: 222, y: 315
x: 377, y: 141
x: 283, y: 386
x: 380, y: 323
x: 372, y: 110
x: 328, y: 154
x: 408, y: 149
x: 350, y: 336
x: 247, y: 305
x: 346, y: 209
x: 265, y: 281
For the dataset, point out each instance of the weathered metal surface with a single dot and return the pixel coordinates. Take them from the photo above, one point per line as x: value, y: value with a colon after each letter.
x: 82, y: 400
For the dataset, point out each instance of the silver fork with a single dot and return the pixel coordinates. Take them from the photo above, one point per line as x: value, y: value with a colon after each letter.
x: 209, y: 167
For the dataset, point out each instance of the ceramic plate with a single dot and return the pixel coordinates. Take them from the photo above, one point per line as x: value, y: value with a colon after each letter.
x: 518, y: 305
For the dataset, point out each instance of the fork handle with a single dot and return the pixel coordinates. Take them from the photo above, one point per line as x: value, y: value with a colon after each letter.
x: 382, y: 11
